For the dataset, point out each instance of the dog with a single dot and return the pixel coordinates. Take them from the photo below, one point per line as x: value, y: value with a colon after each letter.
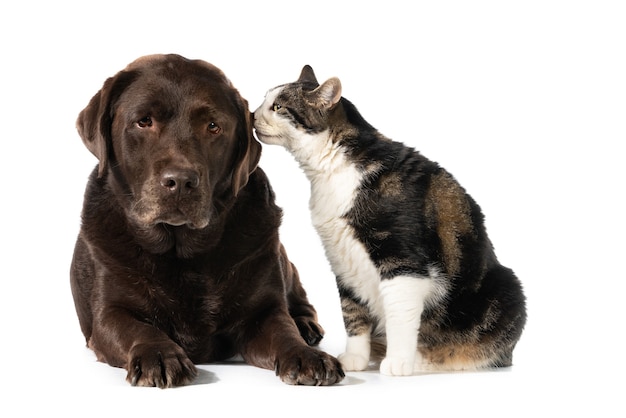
x: 178, y: 260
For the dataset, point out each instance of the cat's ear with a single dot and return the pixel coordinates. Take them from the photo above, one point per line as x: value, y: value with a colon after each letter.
x: 307, y: 75
x: 325, y: 96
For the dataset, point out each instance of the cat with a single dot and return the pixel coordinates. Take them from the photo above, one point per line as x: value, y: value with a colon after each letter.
x: 416, y: 272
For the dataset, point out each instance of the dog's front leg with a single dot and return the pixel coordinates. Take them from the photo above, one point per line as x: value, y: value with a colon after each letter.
x: 149, y: 356
x: 277, y: 344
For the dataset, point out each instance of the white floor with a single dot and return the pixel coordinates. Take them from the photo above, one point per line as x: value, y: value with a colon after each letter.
x: 56, y: 374
x: 523, y: 102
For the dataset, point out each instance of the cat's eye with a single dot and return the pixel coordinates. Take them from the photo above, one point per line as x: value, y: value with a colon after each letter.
x: 214, y: 128
x: 276, y: 107
x: 145, y: 122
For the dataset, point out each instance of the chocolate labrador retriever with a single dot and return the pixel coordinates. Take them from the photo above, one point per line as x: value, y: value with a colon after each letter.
x: 178, y: 260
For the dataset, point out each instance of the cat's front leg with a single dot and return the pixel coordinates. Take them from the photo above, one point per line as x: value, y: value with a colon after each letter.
x: 357, y: 321
x: 403, y: 300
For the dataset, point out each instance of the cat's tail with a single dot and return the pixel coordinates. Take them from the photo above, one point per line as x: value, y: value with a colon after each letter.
x: 490, y: 339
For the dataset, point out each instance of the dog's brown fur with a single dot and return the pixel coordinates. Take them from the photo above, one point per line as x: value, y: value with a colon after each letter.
x: 178, y: 261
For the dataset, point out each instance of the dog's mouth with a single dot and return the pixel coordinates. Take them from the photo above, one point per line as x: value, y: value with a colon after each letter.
x: 165, y: 232
x: 179, y: 219
x: 154, y: 207
x: 194, y: 219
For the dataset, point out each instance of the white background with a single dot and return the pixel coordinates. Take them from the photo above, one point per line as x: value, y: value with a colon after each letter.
x: 524, y: 102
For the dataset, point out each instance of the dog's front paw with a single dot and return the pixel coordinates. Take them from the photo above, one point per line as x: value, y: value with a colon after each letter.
x: 308, y: 366
x: 397, y: 366
x: 353, y: 362
x: 161, y: 365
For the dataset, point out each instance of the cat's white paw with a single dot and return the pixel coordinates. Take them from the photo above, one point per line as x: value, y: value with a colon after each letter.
x: 397, y: 366
x: 352, y: 362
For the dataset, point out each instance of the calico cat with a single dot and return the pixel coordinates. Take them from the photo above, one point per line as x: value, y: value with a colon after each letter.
x: 415, y: 268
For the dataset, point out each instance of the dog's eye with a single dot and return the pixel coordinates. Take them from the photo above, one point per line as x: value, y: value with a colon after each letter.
x: 145, y: 122
x: 276, y: 107
x: 214, y: 128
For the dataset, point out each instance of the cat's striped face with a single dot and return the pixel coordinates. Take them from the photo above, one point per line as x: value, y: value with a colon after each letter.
x: 293, y: 114
x: 285, y: 116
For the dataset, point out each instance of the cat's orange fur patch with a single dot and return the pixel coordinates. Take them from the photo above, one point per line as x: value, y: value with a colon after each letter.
x: 446, y: 201
x: 455, y: 357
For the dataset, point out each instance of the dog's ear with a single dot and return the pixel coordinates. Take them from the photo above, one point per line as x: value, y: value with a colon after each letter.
x: 94, y: 121
x: 249, y: 150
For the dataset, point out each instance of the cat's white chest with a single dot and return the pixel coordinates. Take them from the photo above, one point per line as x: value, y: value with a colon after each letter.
x: 333, y: 191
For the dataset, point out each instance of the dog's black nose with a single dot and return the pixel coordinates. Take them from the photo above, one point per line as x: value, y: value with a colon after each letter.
x: 180, y: 180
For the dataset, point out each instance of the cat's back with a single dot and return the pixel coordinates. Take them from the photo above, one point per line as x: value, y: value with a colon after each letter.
x: 408, y: 206
x: 393, y: 170
x: 374, y: 153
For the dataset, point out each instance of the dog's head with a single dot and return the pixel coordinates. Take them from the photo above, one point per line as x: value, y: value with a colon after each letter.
x: 175, y: 138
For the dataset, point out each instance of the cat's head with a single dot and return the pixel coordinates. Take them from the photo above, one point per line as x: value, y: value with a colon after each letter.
x: 295, y: 112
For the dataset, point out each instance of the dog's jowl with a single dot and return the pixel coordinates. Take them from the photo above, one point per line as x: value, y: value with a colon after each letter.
x: 178, y: 260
